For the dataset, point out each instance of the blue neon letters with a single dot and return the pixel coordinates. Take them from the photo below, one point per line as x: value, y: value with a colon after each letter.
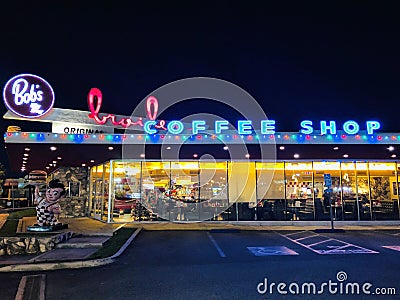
x: 245, y: 127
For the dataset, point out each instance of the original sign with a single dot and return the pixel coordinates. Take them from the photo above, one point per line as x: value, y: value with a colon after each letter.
x: 28, y: 96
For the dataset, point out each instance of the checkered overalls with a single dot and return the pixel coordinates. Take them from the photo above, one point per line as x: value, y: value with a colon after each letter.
x: 44, y: 215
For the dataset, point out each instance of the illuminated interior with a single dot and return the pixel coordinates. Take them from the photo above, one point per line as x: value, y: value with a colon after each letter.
x: 193, y: 190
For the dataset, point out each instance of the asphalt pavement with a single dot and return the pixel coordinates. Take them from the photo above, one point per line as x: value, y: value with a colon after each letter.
x: 230, y: 263
x: 92, y: 229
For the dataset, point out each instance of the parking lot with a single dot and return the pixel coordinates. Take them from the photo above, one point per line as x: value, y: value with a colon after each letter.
x: 233, y: 264
x: 236, y: 264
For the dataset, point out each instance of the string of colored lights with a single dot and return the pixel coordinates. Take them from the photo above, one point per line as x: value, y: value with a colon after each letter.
x: 254, y: 138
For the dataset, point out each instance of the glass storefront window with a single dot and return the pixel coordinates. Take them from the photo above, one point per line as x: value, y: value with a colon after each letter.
x: 383, y: 186
x: 213, y: 191
x: 156, y: 185
x: 352, y: 210
x: 242, y: 190
x: 99, y: 191
x: 270, y: 191
x: 363, y: 191
x: 210, y: 190
x: 126, y: 188
x: 184, y: 190
x: 299, y: 191
x: 325, y: 195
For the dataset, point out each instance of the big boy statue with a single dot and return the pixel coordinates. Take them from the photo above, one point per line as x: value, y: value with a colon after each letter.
x: 48, y: 209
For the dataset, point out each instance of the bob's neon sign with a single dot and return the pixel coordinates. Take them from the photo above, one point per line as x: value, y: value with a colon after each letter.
x: 28, y: 96
x: 244, y: 127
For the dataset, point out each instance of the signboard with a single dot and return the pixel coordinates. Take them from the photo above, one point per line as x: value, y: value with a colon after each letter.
x: 28, y: 96
x: 75, y: 128
x: 31, y: 97
x: 327, y: 180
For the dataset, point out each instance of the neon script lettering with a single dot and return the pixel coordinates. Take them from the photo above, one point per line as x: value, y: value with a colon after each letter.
x: 21, y: 96
x: 95, y: 94
x: 95, y: 100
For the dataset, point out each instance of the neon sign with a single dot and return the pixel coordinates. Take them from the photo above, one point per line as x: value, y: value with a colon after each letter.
x: 244, y: 127
x: 95, y: 100
x: 28, y: 96
x: 350, y: 127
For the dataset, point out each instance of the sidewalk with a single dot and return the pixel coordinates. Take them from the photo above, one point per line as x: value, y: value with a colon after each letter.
x: 92, y: 230
x: 3, y: 218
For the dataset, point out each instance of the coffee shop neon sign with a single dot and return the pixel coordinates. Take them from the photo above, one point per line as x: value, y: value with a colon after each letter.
x: 95, y: 100
x: 244, y: 127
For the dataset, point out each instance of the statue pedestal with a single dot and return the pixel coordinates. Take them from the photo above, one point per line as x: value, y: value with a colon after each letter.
x: 45, y: 228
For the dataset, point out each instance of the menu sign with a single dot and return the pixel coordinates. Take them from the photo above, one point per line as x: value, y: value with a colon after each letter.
x: 28, y: 96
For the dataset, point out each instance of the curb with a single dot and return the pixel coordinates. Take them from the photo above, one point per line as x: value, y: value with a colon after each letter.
x: 71, y: 264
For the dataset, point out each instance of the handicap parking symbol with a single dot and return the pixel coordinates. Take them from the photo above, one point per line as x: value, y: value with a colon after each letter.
x: 271, y: 250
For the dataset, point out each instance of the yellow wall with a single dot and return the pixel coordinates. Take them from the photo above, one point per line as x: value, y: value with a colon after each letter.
x: 242, y: 182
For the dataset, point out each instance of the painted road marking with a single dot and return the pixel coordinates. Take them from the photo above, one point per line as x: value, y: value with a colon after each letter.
x: 221, y: 253
x: 396, y: 248
x: 271, y: 250
x: 31, y: 287
x: 296, y: 232
x: 320, y: 242
x: 306, y: 237
x: 326, y: 245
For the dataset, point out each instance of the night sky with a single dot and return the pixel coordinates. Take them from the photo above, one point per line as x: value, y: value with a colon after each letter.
x: 299, y: 61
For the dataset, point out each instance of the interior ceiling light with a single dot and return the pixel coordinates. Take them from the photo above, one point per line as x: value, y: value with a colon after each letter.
x: 168, y: 148
x: 226, y: 148
x: 282, y: 148
x: 83, y: 165
x: 27, y: 149
x: 335, y: 148
x: 195, y: 155
x: 59, y: 157
x: 393, y: 155
x: 25, y: 158
x: 345, y: 155
x: 296, y: 155
x: 92, y: 160
x: 390, y: 148
x: 247, y: 155
x: 53, y: 148
x: 47, y: 167
x: 110, y: 148
x: 26, y: 154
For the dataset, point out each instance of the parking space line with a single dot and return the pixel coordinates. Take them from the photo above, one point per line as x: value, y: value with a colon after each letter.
x: 339, y: 248
x: 296, y: 232
x: 327, y: 240
x: 221, y: 253
x: 396, y: 248
x: 31, y: 287
x: 307, y: 237
x: 334, y: 248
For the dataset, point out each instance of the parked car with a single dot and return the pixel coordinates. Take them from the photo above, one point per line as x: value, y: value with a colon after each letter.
x: 122, y: 206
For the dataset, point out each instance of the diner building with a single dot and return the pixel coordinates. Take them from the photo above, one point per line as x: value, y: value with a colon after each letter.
x: 197, y: 173
x: 363, y: 183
